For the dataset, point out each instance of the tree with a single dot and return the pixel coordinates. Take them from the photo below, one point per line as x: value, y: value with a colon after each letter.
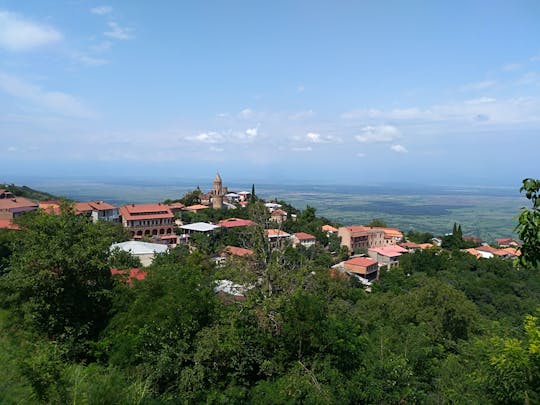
x: 377, y: 223
x: 58, y: 278
x: 528, y: 228
x: 253, y: 197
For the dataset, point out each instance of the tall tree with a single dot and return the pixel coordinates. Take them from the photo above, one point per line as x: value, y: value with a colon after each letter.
x: 528, y: 228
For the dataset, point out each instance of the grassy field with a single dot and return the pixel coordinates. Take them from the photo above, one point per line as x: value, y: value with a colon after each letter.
x: 485, y: 212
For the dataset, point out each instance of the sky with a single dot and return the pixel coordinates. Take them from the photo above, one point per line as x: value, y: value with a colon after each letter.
x: 345, y: 92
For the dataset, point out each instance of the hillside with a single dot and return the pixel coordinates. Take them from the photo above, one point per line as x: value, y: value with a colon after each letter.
x: 27, y: 192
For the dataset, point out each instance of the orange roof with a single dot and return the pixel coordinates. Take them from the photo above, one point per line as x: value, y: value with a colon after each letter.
x: 134, y: 273
x: 473, y: 252
x: 176, y: 206
x: 279, y: 212
x: 8, y: 204
x: 195, y: 207
x: 50, y: 207
x: 360, y: 230
x: 425, y: 245
x: 87, y: 206
x: 359, y: 262
x: 304, y: 236
x: 237, y: 251
x: 145, y: 211
x: 328, y: 228
x: 234, y: 222
x: 276, y: 233
x: 7, y: 224
x: 512, y: 251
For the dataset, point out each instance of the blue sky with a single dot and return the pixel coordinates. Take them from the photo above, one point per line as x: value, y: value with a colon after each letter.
x: 331, y: 92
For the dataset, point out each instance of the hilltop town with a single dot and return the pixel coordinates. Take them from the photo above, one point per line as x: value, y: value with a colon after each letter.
x: 200, y: 220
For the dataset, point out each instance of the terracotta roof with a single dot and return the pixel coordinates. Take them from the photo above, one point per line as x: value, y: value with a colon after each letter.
x: 134, y: 273
x: 195, y: 207
x: 176, y: 206
x: 8, y: 204
x: 329, y: 228
x: 279, y: 212
x: 7, y: 224
x: 389, y: 251
x: 361, y: 261
x: 87, y: 206
x: 360, y: 230
x: 145, y: 211
x: 237, y: 251
x: 276, y: 233
x: 473, y: 252
x: 304, y: 236
x: 50, y: 207
x: 235, y: 222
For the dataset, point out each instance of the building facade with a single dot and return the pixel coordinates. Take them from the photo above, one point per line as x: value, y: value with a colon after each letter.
x: 147, y: 219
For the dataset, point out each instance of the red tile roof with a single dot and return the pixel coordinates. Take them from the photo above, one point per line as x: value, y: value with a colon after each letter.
x: 134, y: 273
x: 195, y: 207
x: 390, y: 251
x: 8, y: 204
x: 135, y: 212
x: 50, y: 207
x: 361, y: 261
x: 274, y: 233
x: 235, y: 222
x: 87, y: 206
x: 304, y: 236
x: 237, y: 251
x: 328, y: 228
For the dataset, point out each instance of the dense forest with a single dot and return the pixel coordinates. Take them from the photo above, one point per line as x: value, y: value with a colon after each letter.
x: 442, y: 328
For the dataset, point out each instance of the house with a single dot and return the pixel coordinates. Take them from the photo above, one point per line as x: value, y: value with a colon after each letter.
x: 278, y: 215
x: 272, y: 206
x: 195, y: 208
x: 150, y: 220
x: 304, y: 239
x: 387, y: 255
x: 143, y: 250
x: 277, y: 237
x: 12, y: 206
x: 229, y: 291
x: 199, y: 227
x: 507, y: 242
x: 176, y: 207
x: 50, y: 207
x: 236, y: 251
x: 413, y: 247
x: 235, y: 223
x: 479, y: 254
x: 244, y: 195
x: 436, y: 241
x: 391, y: 235
x: 329, y: 229
x: 364, y: 267
x: 502, y: 253
x: 97, y: 210
x: 232, y: 197
x: 358, y: 237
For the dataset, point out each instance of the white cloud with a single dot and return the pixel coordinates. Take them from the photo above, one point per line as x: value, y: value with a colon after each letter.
x: 399, y: 148
x: 101, y: 10
x: 102, y: 46
x: 481, y: 100
x: 314, y: 137
x: 19, y: 34
x: 381, y: 133
x: 87, y: 60
x: 252, y: 132
x: 118, y: 32
x: 206, y: 137
x: 247, y: 113
x: 56, y: 101
x: 361, y: 155
x: 302, y: 149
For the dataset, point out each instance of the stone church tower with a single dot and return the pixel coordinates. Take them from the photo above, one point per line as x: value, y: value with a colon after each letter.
x: 217, y: 193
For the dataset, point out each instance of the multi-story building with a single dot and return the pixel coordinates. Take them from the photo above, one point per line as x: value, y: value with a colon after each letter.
x: 148, y: 220
x: 359, y: 237
x: 97, y: 210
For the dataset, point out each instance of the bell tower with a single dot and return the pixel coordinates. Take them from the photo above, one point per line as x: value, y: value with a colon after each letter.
x: 217, y: 193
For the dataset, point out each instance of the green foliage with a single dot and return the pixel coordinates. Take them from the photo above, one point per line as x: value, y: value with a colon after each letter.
x: 120, y: 259
x: 419, y: 237
x: 377, y: 223
x: 58, y: 278
x: 528, y: 228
